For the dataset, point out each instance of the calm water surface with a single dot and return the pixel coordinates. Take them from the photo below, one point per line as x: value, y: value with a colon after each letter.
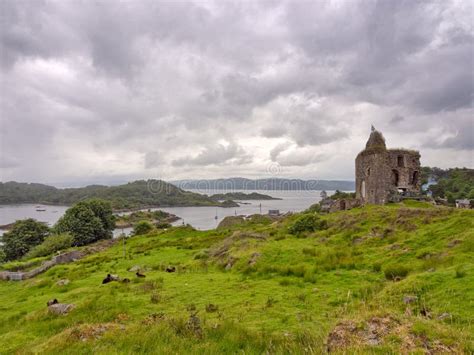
x: 199, y: 217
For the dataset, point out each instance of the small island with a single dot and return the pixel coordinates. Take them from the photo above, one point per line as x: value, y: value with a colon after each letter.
x: 156, y: 217
x: 242, y: 196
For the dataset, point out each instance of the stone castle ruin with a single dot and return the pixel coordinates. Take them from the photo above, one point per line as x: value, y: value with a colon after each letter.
x: 383, y: 175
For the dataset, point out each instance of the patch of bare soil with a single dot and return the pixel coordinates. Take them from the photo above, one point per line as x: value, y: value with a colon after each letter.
x: 85, y: 332
x: 349, y: 334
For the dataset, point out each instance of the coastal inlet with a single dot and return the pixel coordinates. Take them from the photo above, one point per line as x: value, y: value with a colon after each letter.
x: 202, y: 218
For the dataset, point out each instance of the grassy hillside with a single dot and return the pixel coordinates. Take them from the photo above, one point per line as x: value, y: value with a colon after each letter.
x: 256, y: 288
x: 137, y: 194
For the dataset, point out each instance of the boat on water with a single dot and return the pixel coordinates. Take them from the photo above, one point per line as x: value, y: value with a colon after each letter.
x: 40, y: 209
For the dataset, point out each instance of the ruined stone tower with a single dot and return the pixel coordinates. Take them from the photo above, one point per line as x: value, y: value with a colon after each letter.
x: 383, y: 174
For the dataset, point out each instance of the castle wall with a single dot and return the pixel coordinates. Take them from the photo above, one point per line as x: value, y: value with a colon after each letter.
x: 381, y: 173
x: 372, y: 179
x: 406, y: 164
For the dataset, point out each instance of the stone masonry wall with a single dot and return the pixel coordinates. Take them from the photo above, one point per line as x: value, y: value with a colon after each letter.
x: 381, y: 173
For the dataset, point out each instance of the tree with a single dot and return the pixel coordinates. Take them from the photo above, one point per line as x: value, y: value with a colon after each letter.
x: 142, y: 227
x: 103, y: 210
x: 87, y: 222
x: 24, y: 235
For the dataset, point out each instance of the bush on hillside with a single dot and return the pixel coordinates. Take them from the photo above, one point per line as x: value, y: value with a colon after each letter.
x: 51, y: 244
x: 142, y: 227
x: 314, y: 208
x: 87, y: 222
x: 395, y: 271
x: 24, y: 235
x: 307, y: 223
x: 163, y: 225
x: 340, y: 194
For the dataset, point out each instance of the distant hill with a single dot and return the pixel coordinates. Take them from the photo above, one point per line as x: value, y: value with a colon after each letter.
x: 237, y: 183
x: 137, y: 194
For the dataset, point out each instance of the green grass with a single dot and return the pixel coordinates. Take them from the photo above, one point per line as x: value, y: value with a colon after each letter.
x: 273, y: 291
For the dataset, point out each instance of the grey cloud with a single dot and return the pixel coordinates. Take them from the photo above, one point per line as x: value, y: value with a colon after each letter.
x: 152, y: 160
x: 457, y: 135
x: 396, y: 119
x: 463, y: 140
x: 275, y: 152
x: 216, y: 154
x: 81, y: 81
x: 8, y: 162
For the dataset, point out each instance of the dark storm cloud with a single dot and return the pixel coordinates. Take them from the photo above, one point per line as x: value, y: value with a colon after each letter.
x: 121, y: 87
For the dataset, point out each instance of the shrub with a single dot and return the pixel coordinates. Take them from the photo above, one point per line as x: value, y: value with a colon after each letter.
x: 142, y: 227
x: 340, y: 194
x: 24, y: 235
x: 396, y: 271
x: 51, y: 244
x: 307, y: 223
x: 163, y: 225
x: 87, y: 221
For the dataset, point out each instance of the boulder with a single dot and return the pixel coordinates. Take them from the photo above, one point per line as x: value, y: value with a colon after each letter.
x: 60, y: 308
x: 63, y: 282
x: 444, y: 315
x: 409, y: 299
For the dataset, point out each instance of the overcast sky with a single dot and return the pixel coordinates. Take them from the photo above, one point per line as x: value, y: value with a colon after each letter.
x: 107, y: 90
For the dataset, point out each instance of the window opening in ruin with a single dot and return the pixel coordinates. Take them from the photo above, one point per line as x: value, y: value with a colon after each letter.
x: 414, y: 180
x: 395, y: 177
x: 400, y: 161
x: 368, y: 172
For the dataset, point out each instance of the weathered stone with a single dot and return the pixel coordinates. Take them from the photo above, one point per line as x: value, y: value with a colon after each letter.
x: 409, y: 299
x: 382, y: 173
x: 61, y: 308
x: 68, y: 257
x: 444, y: 315
x: 343, y: 204
x: 63, y: 282
x: 135, y: 268
x: 453, y: 243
